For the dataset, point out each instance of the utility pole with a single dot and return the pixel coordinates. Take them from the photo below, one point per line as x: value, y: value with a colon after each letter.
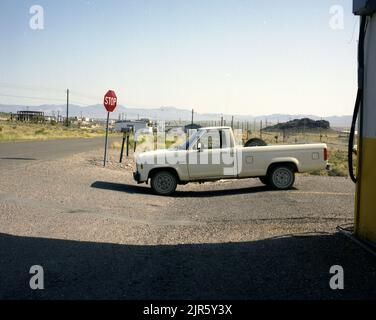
x: 232, y: 123
x: 67, y: 122
x: 193, y: 114
x: 304, y: 130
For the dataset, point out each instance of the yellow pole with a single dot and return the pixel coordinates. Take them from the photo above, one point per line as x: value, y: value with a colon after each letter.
x: 365, y: 216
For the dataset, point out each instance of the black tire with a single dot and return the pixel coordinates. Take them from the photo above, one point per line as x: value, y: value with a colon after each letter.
x: 281, y: 177
x: 255, y: 142
x: 164, y: 183
x: 264, y: 180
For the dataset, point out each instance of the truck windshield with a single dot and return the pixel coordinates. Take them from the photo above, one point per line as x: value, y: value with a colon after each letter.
x: 189, y: 142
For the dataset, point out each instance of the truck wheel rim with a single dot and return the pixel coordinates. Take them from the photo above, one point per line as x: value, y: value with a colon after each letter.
x: 164, y: 183
x: 282, y: 178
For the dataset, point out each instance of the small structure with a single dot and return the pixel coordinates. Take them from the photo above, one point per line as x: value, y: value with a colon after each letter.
x: 346, y: 134
x: 192, y: 127
x: 30, y: 116
x: 5, y: 116
x: 135, y: 125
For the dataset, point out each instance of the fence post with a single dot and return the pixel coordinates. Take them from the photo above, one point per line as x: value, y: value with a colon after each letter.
x: 122, y: 148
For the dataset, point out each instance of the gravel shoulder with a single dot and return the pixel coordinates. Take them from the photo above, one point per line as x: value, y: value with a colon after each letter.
x: 43, y: 197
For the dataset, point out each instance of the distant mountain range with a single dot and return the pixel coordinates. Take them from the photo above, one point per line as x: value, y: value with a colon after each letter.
x: 168, y: 114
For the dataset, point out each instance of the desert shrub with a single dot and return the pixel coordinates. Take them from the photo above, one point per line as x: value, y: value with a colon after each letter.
x: 40, y: 131
x: 337, y: 172
x: 318, y: 173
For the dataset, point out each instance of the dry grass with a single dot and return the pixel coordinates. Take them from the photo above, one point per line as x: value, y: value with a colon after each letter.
x: 332, y: 138
x: 338, y: 160
x: 16, y: 131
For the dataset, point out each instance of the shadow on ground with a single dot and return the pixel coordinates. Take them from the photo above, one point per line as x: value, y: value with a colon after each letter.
x: 279, y: 268
x: 137, y: 189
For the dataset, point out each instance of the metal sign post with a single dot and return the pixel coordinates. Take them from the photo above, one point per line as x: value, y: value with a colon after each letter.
x: 110, y: 103
x: 106, y: 141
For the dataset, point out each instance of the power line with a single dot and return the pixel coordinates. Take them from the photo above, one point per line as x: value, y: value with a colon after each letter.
x: 84, y: 95
x: 76, y: 102
x: 29, y: 97
x: 27, y: 87
x: 31, y: 87
x: 89, y: 98
x: 78, y: 98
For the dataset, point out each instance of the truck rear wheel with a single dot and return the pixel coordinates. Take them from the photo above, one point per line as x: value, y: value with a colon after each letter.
x: 164, y: 183
x: 281, y: 177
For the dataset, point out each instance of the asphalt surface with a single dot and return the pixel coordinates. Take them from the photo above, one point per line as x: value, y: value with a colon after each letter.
x: 18, y: 153
x: 99, y: 235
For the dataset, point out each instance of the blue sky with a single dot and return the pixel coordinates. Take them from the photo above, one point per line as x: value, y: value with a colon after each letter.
x: 229, y: 56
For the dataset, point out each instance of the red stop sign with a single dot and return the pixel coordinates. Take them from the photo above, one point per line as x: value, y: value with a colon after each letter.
x: 110, y: 101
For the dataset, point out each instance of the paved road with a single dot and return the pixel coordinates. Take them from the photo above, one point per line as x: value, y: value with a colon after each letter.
x: 19, y: 153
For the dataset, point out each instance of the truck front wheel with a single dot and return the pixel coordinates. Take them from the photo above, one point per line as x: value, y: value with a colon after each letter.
x: 281, y: 177
x: 164, y: 183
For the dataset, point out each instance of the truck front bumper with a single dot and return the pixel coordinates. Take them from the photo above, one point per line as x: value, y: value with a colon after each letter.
x: 137, y: 177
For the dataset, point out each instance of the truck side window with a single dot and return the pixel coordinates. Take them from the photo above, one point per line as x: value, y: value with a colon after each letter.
x: 210, y: 143
x: 211, y: 140
x: 226, y: 139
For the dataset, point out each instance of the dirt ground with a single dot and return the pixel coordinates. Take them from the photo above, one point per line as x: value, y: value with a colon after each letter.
x: 75, y: 217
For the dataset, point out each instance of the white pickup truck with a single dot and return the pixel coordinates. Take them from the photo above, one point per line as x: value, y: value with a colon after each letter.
x: 211, y: 154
